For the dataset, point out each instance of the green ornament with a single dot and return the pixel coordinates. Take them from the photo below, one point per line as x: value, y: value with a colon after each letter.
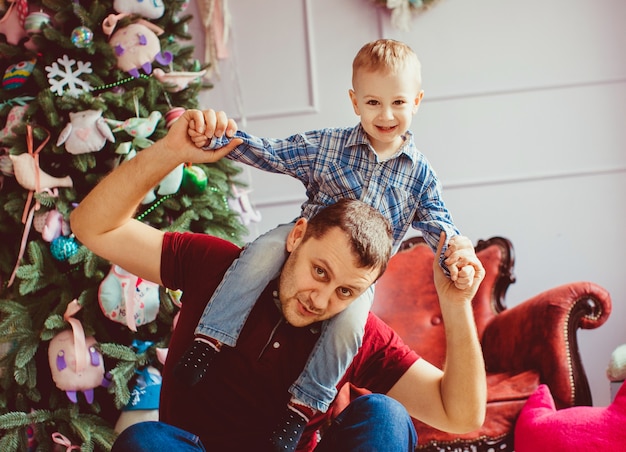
x: 194, y: 180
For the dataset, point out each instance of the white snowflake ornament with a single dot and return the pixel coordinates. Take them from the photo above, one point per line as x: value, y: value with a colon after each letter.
x: 60, y: 78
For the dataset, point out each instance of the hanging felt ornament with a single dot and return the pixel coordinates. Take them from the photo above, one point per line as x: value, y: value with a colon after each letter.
x: 147, y: 9
x: 75, y: 362
x: 136, y: 45
x: 128, y: 299
x: 86, y: 132
x: 15, y: 117
x: 138, y: 128
x: 169, y: 185
x: 175, y: 81
x: 65, y: 79
x: 17, y: 74
x: 12, y: 24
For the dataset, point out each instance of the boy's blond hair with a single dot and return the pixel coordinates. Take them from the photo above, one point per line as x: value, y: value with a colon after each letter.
x: 386, y: 55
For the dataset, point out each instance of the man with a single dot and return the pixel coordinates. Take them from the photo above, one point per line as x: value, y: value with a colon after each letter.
x: 333, y: 259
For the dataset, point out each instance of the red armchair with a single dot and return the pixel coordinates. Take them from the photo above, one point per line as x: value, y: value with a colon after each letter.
x: 532, y: 343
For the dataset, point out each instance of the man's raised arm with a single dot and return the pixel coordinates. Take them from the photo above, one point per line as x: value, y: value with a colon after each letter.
x: 452, y: 400
x: 104, y: 222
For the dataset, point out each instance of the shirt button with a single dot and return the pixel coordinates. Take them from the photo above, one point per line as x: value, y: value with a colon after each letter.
x: 276, y: 344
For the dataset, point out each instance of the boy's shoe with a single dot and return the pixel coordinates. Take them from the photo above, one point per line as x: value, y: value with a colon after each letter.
x: 289, y: 430
x: 194, y: 364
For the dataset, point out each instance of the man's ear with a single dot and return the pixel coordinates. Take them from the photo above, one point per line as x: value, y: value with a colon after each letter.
x: 296, y: 234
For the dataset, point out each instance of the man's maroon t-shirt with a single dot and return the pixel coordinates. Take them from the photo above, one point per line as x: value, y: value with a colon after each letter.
x: 238, y: 403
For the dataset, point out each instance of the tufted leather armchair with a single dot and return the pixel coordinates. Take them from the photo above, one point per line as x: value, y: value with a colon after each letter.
x: 534, y: 342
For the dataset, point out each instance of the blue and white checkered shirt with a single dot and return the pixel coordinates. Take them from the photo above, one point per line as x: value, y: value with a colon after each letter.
x: 340, y: 163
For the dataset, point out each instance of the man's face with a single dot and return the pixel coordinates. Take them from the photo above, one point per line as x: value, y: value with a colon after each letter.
x: 320, y: 277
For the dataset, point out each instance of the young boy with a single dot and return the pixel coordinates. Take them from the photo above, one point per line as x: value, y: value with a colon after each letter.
x: 376, y: 162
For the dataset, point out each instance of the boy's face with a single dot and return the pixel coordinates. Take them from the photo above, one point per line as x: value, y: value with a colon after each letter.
x: 386, y: 103
x: 320, y: 277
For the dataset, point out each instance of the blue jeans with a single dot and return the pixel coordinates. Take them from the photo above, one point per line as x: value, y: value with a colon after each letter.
x: 340, y: 338
x: 371, y: 423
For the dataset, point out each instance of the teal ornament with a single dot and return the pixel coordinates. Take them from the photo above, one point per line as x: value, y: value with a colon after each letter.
x: 17, y: 74
x: 82, y: 37
x: 62, y: 248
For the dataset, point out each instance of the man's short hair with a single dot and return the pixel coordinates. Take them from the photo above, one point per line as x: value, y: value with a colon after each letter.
x: 368, y: 231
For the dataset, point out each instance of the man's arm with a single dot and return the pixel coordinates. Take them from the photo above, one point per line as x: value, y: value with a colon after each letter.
x: 454, y: 399
x: 104, y: 221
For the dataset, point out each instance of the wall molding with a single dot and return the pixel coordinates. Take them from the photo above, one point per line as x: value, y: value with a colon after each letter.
x: 313, y: 105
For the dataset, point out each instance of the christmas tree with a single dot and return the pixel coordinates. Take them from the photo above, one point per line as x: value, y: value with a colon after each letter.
x: 88, y: 84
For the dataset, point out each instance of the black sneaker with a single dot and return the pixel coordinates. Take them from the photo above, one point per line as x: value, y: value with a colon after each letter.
x: 288, y: 432
x: 194, y: 364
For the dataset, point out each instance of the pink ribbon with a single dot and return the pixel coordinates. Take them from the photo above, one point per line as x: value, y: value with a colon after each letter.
x: 61, y: 440
x: 27, y: 215
x: 80, y: 345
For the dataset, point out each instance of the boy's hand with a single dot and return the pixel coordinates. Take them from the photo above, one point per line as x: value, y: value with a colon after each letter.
x: 208, y: 124
x: 461, y: 261
x: 191, y: 131
x: 460, y: 257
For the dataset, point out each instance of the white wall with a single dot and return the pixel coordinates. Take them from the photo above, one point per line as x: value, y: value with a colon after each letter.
x: 523, y: 118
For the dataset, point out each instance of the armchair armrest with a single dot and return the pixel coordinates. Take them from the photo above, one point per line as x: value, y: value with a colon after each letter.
x: 540, y: 334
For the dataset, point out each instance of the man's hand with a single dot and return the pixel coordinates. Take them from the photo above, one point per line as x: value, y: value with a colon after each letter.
x: 466, y: 270
x: 460, y: 257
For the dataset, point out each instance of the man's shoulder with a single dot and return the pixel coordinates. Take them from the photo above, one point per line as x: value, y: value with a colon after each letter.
x: 199, y: 247
x: 376, y: 329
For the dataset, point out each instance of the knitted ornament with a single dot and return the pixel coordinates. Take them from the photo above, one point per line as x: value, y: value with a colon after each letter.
x: 17, y: 74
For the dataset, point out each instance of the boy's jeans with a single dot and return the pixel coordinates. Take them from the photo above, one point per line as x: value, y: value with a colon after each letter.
x: 371, y: 423
x: 259, y: 263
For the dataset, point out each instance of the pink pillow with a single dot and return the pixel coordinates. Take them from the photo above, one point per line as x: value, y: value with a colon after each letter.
x: 540, y: 427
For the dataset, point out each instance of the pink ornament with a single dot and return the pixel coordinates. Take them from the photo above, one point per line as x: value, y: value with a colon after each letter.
x: 173, y: 115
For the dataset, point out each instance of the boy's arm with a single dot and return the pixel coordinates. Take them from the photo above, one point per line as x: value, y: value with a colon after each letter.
x: 104, y: 221
x: 452, y: 400
x: 290, y: 156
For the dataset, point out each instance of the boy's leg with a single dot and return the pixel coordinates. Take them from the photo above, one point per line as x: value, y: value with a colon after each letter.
x: 156, y: 437
x: 315, y: 388
x: 371, y: 423
x: 231, y: 303
x: 259, y: 263
x: 339, y: 342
